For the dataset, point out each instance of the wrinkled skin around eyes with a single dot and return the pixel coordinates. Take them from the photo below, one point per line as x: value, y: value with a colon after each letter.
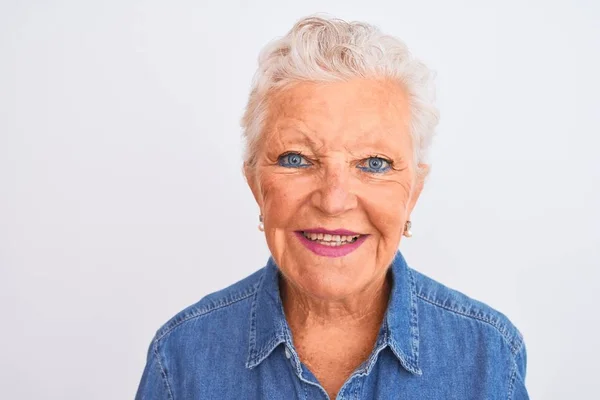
x: 336, y: 127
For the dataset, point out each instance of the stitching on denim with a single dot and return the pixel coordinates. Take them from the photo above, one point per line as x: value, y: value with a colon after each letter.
x: 512, y: 341
x: 255, y: 355
x: 511, y: 381
x: 347, y: 390
x: 350, y: 389
x: 414, y: 319
x: 297, y: 364
x: 303, y: 379
x: 366, y: 369
x: 260, y: 355
x: 305, y: 392
x: 252, y: 335
x: 206, y: 310
x: 408, y: 363
x: 356, y: 386
x: 163, y: 371
x: 513, y: 375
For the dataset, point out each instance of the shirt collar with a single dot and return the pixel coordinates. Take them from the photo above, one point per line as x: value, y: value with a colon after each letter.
x: 399, y: 331
x: 268, y: 326
x: 402, y: 322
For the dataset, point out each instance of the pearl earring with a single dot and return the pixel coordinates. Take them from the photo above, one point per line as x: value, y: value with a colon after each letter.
x: 261, y: 225
x: 407, y: 231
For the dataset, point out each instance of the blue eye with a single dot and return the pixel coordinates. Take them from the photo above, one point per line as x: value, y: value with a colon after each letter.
x: 375, y: 164
x: 293, y: 160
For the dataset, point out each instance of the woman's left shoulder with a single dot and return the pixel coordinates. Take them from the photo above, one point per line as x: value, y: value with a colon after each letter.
x: 446, y: 303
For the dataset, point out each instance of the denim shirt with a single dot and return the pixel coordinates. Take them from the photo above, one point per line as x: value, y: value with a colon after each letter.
x: 434, y: 343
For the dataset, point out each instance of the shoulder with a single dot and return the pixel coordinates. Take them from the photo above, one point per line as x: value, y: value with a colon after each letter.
x: 216, y: 305
x: 449, y: 302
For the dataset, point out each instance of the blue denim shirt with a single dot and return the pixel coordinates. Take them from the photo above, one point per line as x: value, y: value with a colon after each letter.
x: 434, y: 343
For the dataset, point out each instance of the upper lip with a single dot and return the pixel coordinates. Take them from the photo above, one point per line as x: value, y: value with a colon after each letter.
x: 341, y: 232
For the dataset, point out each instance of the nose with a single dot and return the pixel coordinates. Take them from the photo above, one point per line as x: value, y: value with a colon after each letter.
x: 334, y: 195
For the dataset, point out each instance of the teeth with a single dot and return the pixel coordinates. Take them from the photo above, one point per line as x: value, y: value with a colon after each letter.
x: 330, y: 240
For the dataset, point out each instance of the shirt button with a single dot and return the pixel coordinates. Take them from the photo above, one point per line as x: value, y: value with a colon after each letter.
x: 287, y: 353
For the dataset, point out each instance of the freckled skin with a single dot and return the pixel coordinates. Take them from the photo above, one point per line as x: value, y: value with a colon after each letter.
x: 335, y: 305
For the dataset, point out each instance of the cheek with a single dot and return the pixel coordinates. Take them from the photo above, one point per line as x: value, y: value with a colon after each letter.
x: 387, y: 206
x: 282, y: 195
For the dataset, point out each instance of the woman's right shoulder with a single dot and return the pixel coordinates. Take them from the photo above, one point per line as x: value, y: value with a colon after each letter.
x: 225, y: 304
x: 202, y: 341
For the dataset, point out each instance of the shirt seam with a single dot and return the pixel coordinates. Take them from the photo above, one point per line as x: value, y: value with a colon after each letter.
x: 163, y: 372
x: 513, y: 342
x: 205, y: 311
x: 513, y: 375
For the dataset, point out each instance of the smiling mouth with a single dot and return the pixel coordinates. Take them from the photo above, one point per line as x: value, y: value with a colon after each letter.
x: 327, y: 239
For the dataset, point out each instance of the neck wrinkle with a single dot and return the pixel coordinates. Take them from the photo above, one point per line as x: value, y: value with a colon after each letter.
x: 302, y: 311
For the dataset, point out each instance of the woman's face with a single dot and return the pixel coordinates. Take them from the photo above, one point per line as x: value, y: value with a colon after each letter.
x: 335, y: 183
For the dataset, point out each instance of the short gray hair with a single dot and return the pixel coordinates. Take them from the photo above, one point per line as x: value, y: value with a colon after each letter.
x: 320, y: 49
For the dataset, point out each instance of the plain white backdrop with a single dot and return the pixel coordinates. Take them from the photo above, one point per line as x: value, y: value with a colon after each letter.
x: 122, y: 199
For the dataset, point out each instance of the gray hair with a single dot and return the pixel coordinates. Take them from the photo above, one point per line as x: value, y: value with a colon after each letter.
x: 321, y: 49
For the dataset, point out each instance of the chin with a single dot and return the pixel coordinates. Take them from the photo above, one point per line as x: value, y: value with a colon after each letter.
x: 327, y: 282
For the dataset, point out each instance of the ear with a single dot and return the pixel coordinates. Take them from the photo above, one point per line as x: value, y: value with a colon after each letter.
x: 422, y: 173
x: 252, y: 180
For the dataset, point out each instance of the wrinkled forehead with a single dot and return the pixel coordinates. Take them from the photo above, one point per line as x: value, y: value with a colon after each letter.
x: 347, y: 114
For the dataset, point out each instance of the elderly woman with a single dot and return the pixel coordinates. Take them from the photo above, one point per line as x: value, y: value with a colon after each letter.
x: 338, y: 125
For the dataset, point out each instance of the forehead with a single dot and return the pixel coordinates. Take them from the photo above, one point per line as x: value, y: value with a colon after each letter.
x: 359, y: 112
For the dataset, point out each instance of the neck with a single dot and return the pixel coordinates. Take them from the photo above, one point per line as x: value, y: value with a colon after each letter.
x: 363, y: 309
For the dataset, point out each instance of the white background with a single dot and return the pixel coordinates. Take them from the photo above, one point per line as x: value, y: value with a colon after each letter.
x: 122, y: 199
